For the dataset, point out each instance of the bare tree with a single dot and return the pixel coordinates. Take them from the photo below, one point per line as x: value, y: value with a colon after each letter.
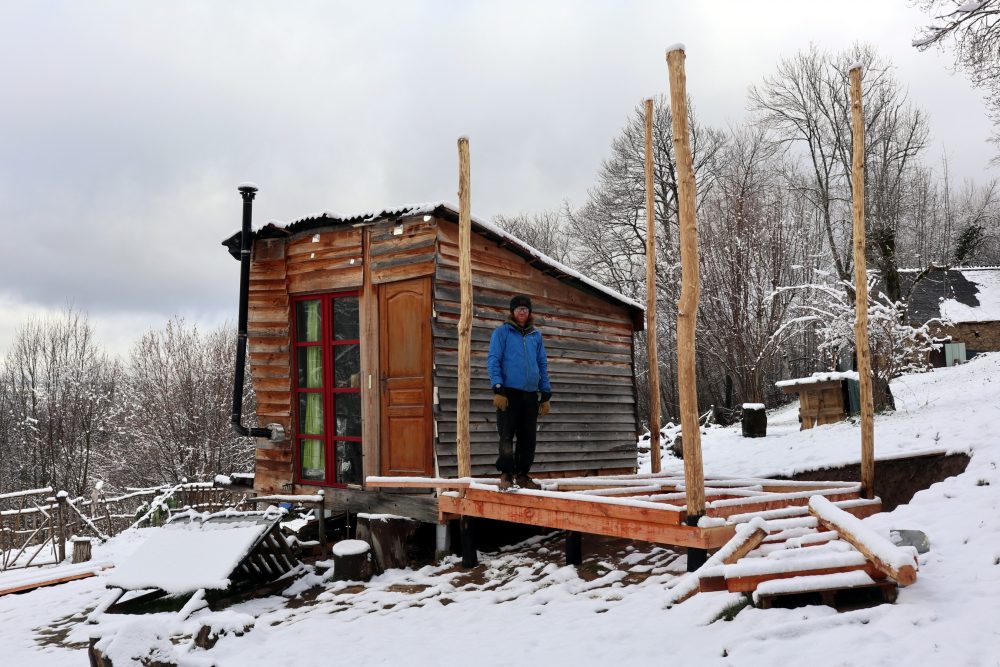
x: 807, y: 104
x: 973, y: 31
x: 61, y: 391
x: 543, y: 231
x: 754, y: 241
x: 178, y: 387
x: 609, y: 231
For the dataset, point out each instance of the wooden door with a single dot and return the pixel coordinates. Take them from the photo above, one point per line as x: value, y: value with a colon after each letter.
x: 405, y: 358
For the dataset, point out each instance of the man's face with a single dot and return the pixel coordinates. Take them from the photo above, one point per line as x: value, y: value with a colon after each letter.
x: 521, y: 315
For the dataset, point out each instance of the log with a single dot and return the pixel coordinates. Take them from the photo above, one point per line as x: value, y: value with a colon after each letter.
x: 388, y: 536
x: 687, y: 307
x: 754, y: 420
x: 465, y: 319
x: 352, y: 561
x: 81, y: 549
x: 861, y: 290
x: 654, y: 373
x: 883, y: 554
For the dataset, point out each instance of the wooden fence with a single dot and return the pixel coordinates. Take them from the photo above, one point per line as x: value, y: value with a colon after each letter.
x: 36, y: 524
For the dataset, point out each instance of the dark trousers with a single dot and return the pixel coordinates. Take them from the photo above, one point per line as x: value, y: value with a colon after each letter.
x: 516, y: 426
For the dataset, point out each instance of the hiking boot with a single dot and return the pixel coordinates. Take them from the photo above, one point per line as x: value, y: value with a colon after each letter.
x: 526, y: 482
x: 505, y: 482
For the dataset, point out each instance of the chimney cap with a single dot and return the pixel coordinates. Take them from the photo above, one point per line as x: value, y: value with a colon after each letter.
x: 247, y: 187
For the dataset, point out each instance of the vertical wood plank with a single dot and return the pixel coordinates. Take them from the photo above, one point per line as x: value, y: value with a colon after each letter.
x: 654, y: 368
x: 465, y: 317
x: 687, y: 307
x: 370, y: 422
x: 861, y: 290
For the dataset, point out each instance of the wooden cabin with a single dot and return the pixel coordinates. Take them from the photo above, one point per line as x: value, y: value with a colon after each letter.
x: 353, y: 350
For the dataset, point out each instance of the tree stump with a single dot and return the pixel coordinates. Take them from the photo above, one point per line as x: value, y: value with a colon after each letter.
x: 389, y: 536
x: 81, y: 549
x: 754, y: 420
x: 352, y: 561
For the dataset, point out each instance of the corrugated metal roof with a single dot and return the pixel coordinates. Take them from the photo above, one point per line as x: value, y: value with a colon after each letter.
x: 444, y: 210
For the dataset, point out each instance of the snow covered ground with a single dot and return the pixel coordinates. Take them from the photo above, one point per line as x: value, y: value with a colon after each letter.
x: 522, y: 606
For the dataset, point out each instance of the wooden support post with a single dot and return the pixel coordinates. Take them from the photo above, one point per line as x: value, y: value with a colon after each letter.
x: 861, y: 290
x: 61, y: 517
x: 321, y: 523
x: 687, y: 307
x: 470, y: 557
x: 654, y: 368
x: 574, y: 547
x: 465, y: 318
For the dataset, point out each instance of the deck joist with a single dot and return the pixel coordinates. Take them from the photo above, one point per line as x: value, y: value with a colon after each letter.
x: 641, y: 507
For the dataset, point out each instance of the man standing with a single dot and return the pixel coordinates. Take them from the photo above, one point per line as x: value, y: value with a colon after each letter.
x: 519, y: 373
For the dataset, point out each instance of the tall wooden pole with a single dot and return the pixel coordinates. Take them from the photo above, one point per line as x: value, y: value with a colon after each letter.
x: 687, y: 307
x: 465, y: 318
x: 861, y: 290
x: 654, y: 367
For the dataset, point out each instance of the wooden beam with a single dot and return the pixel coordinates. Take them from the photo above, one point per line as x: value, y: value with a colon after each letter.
x: 848, y: 527
x: 654, y: 368
x: 658, y: 533
x: 861, y: 290
x: 594, y: 508
x: 750, y: 583
x: 687, y: 307
x: 465, y: 319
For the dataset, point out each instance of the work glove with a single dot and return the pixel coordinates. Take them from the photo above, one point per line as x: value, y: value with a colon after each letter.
x: 544, y: 404
x: 499, y: 399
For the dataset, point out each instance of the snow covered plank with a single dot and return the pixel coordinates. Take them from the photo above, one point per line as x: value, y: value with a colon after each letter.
x: 745, y: 576
x: 418, y: 482
x: 890, y: 559
x: 49, y: 577
x: 732, y: 506
x: 744, y: 540
x: 828, y: 589
x: 598, y: 506
x: 543, y: 514
x: 859, y: 507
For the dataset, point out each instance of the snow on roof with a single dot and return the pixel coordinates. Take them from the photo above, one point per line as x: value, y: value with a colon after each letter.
x: 181, y: 558
x: 987, y: 282
x: 329, y: 218
x: 816, y: 378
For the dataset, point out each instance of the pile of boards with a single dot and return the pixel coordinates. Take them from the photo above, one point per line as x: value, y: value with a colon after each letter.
x: 825, y: 556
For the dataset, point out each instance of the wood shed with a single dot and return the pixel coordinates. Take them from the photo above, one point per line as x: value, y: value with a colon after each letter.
x: 352, y: 334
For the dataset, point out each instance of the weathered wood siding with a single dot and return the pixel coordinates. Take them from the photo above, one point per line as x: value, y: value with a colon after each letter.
x: 592, y: 426
x: 270, y: 365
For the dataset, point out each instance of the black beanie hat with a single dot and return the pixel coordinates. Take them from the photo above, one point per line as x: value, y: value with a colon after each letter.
x: 520, y: 300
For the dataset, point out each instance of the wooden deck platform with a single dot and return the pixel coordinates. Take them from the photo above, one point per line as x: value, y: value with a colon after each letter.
x: 641, y: 507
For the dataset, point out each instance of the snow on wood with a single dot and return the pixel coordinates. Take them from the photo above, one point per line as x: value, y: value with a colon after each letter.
x: 17, y: 580
x: 420, y: 482
x: 831, y: 546
x: 29, y: 492
x: 816, y: 378
x: 813, y: 582
x: 747, y: 537
x: 569, y: 495
x: 185, y: 557
x: 895, y: 562
x: 350, y: 548
x: 753, y: 406
x: 318, y: 498
x: 755, y: 567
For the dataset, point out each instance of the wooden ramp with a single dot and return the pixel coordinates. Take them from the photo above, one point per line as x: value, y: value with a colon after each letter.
x: 641, y: 507
x: 22, y: 581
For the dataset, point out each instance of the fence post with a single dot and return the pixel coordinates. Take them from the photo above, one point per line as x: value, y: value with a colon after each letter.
x: 61, y: 525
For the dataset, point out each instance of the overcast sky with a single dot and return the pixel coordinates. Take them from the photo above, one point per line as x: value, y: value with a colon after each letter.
x: 126, y: 126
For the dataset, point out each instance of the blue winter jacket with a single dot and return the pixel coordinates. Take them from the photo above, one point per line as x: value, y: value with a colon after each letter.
x: 517, y: 359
